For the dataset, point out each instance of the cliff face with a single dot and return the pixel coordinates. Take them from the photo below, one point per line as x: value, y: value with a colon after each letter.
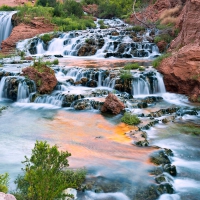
x: 24, y: 31
x: 182, y: 70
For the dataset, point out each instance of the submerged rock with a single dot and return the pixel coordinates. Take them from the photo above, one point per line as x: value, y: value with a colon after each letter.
x: 112, y: 104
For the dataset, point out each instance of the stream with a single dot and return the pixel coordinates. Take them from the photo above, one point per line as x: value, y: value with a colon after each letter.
x: 117, y: 169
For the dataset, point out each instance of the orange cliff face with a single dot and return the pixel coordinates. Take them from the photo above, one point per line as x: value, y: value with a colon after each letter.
x: 182, y: 70
x: 13, y: 2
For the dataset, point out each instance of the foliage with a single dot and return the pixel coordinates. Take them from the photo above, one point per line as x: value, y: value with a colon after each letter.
x: 102, y: 25
x: 47, y: 37
x: 50, y: 3
x: 163, y: 37
x: 45, y: 175
x: 130, y: 66
x: 91, y: 2
x: 125, y: 74
x: 7, y: 8
x: 56, y: 62
x: 138, y: 28
x: 4, y: 178
x: 130, y: 119
x: 158, y: 60
x: 114, y: 8
x: 26, y: 13
x: 190, y: 129
x: 67, y: 24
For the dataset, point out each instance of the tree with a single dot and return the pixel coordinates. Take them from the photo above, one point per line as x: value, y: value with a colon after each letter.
x: 45, y: 175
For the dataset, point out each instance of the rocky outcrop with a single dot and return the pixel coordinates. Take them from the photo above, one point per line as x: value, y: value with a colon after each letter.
x: 44, y: 78
x: 4, y: 196
x: 112, y: 104
x: 24, y: 31
x: 182, y: 70
x: 153, y: 11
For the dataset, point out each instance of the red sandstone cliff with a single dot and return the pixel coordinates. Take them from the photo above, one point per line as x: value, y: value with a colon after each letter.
x: 24, y: 31
x: 182, y: 70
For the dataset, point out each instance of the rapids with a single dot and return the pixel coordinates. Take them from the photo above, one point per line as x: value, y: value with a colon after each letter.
x: 116, y: 168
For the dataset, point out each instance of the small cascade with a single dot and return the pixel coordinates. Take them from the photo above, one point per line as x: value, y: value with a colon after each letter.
x: 148, y: 83
x: 111, y: 42
x: 5, y: 24
x: 25, y: 92
x: 55, y: 99
x: 16, y: 88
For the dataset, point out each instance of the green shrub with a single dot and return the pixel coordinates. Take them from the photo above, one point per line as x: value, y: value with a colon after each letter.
x: 4, y: 178
x: 138, y: 28
x: 7, y: 8
x: 50, y: 3
x: 125, y: 74
x: 102, y: 25
x: 131, y: 66
x: 158, y: 60
x: 164, y: 37
x: 45, y: 175
x: 46, y: 38
x: 56, y: 62
x: 130, y: 119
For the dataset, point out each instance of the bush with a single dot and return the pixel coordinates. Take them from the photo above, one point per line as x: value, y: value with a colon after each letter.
x: 130, y: 119
x: 50, y: 3
x: 131, y: 66
x: 125, y: 74
x: 164, y: 37
x: 56, y: 62
x: 158, y: 60
x: 45, y: 175
x: 7, y: 8
x: 4, y: 178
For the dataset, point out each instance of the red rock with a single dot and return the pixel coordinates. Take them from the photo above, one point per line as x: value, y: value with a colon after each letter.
x: 162, y: 46
x: 112, y: 104
x: 45, y: 80
x: 182, y: 71
x: 24, y: 31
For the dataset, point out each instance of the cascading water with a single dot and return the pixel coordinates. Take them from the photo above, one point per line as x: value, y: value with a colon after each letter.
x: 121, y: 43
x: 5, y: 24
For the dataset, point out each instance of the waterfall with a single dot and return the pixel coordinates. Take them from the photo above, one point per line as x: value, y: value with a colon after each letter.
x: 5, y: 24
x: 55, y: 99
x: 94, y: 43
x: 2, y: 85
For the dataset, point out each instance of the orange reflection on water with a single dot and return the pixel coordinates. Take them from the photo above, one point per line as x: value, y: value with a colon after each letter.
x: 91, y: 138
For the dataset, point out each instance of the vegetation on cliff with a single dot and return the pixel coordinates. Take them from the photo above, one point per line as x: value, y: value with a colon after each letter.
x: 4, y: 178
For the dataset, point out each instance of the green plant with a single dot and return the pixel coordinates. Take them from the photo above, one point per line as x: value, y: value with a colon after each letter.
x: 102, y: 25
x: 130, y: 66
x: 55, y: 62
x: 45, y: 174
x: 4, y: 178
x: 7, y: 8
x: 163, y: 37
x: 125, y: 74
x: 130, y: 119
x: 46, y: 38
x: 158, y: 60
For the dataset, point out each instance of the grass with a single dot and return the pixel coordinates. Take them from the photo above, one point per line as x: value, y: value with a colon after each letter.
x: 136, y: 28
x: 131, y: 66
x: 130, y: 119
x: 125, y: 74
x: 102, y: 25
x: 190, y: 129
x: 159, y: 59
x: 163, y: 37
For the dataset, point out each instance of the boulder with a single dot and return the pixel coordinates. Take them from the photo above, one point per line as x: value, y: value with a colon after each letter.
x: 45, y: 80
x: 4, y: 196
x: 112, y: 104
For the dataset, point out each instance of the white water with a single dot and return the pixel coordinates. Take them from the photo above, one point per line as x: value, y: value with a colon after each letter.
x: 69, y: 44
x: 5, y: 24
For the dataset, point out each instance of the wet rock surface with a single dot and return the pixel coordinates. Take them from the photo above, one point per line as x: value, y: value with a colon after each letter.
x: 112, y: 104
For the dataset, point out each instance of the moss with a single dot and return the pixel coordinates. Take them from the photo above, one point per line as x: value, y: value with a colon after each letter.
x: 131, y: 66
x: 125, y: 74
x: 130, y: 119
x: 159, y: 59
